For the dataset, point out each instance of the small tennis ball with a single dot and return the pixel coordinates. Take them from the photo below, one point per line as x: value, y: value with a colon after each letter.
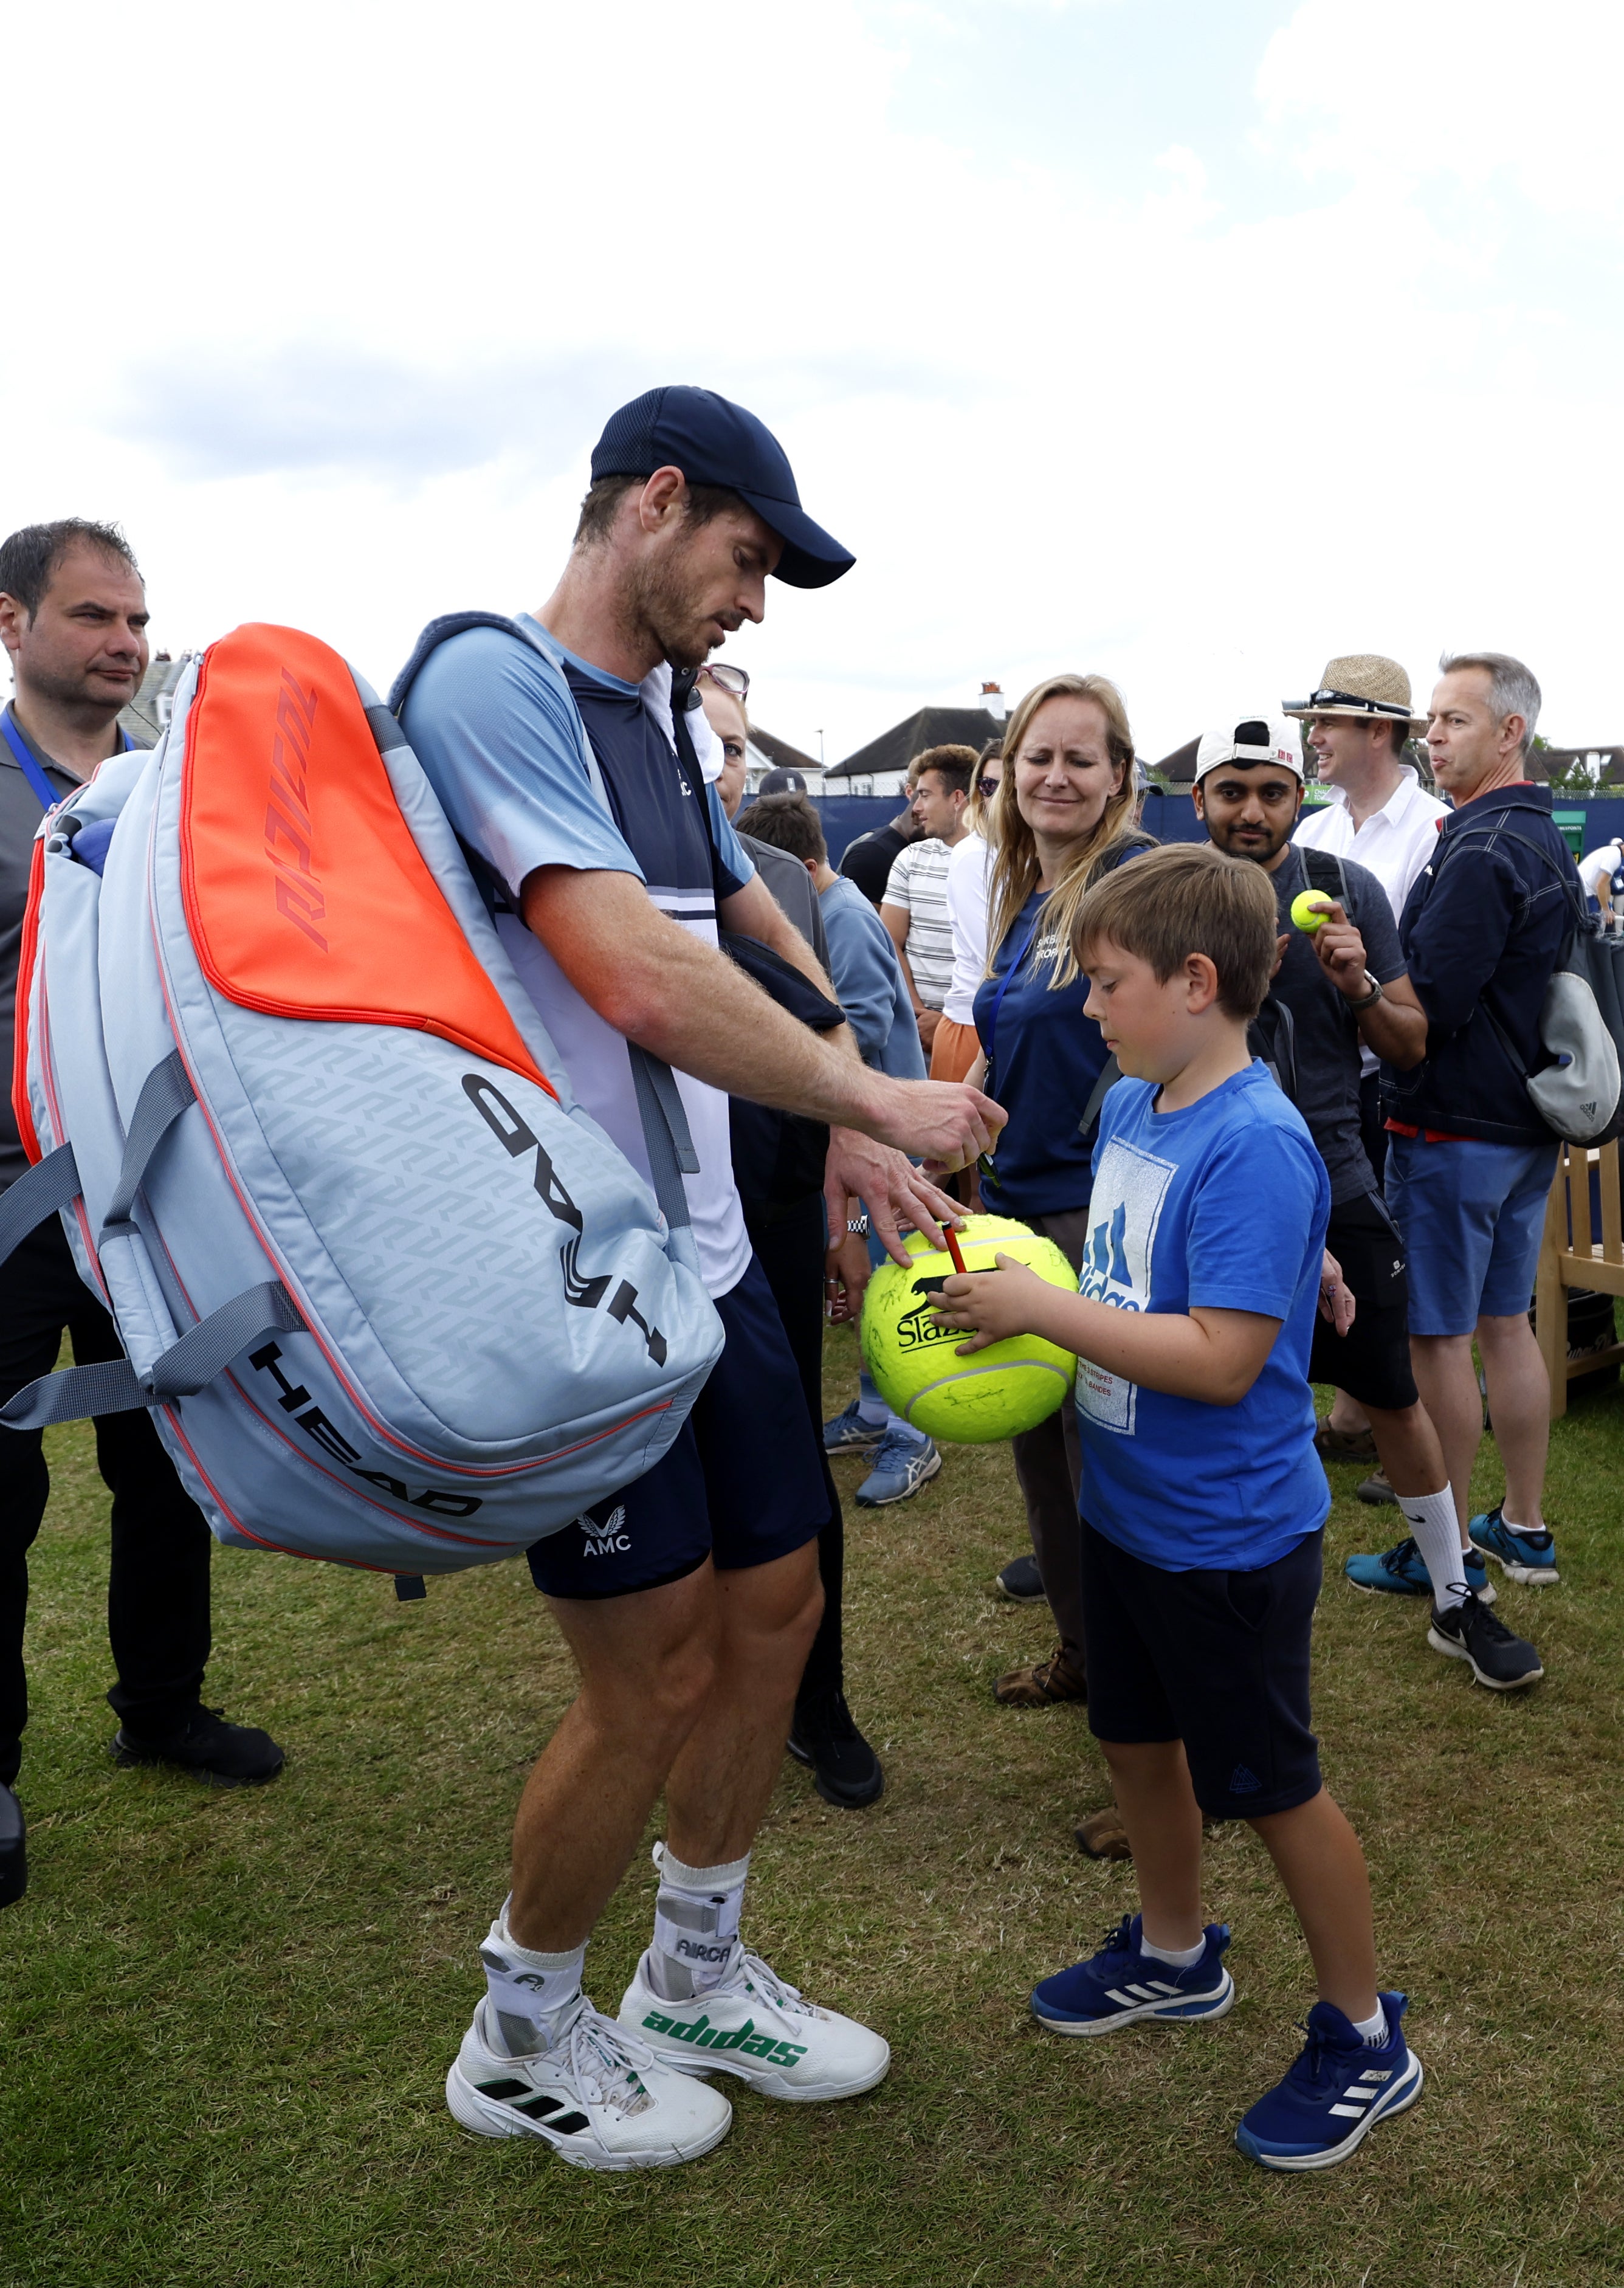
x: 1309, y: 910
x: 993, y: 1393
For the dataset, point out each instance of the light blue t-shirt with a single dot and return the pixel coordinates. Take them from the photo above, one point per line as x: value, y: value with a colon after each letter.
x: 868, y: 982
x: 1221, y: 1206
x: 497, y: 728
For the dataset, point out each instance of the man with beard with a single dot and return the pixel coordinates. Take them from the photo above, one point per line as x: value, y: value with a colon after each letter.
x: 1338, y: 988
x: 690, y: 1598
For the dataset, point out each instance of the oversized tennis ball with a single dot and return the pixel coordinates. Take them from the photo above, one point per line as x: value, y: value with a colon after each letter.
x: 1309, y: 910
x: 993, y: 1393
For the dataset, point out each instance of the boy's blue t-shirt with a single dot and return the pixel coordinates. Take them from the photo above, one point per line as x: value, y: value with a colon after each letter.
x: 1221, y: 1206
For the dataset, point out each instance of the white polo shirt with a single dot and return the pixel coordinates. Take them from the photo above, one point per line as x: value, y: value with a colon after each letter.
x: 1395, y: 843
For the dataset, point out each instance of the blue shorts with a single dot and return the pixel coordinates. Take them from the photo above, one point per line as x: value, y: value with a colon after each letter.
x: 1471, y: 1216
x: 742, y: 1483
x: 1217, y: 1660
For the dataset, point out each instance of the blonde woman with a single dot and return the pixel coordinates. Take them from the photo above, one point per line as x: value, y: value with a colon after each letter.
x: 1062, y: 816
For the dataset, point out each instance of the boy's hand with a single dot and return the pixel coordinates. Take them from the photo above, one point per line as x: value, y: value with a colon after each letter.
x: 991, y: 1305
x: 1336, y: 1302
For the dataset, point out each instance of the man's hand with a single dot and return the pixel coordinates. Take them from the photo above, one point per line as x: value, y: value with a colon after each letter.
x: 845, y: 1276
x: 991, y: 1305
x: 1336, y: 1301
x: 1341, y: 952
x: 893, y: 1190
x: 945, y: 1123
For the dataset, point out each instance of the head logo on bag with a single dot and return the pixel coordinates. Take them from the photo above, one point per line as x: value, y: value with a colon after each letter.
x: 393, y: 1299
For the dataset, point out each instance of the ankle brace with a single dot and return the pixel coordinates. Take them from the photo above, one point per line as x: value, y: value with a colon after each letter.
x: 696, y: 1925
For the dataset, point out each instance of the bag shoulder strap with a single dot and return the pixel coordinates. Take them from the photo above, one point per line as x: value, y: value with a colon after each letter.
x: 1326, y: 872
x: 666, y: 1133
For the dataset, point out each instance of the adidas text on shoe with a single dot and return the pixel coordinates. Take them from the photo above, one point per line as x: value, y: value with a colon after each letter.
x: 764, y: 2031
x: 1122, y: 1983
x: 1530, y: 1557
x: 599, y: 2098
x: 1472, y: 1633
x: 1401, y: 1572
x: 902, y: 1464
x: 1334, y: 2095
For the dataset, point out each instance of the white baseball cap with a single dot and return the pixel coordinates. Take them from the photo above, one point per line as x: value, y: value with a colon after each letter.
x: 1250, y: 739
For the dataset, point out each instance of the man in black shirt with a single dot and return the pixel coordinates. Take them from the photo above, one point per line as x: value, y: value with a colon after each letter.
x: 72, y: 617
x: 867, y: 861
x: 1337, y: 986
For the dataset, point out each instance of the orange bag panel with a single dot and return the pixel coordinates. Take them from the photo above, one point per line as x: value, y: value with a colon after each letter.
x: 304, y: 892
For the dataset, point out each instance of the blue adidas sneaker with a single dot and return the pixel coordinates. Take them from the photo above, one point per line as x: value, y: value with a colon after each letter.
x: 1120, y: 1983
x: 1530, y: 1557
x: 1400, y: 1572
x: 1334, y: 2094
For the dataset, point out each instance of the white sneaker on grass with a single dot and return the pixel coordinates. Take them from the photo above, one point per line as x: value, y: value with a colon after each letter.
x: 757, y: 2027
x: 599, y: 2097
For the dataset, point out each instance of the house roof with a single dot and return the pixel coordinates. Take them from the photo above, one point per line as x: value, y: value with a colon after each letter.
x: 931, y: 727
x: 778, y: 751
x: 1545, y: 761
x: 1179, y: 766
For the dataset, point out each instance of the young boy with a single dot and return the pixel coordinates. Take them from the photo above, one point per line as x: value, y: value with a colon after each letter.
x: 1202, y: 1502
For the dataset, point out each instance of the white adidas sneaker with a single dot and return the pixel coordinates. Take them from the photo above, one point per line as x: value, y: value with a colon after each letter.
x: 767, y: 2032
x: 600, y: 2098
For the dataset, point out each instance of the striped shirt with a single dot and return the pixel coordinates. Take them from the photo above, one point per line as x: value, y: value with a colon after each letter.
x: 918, y: 884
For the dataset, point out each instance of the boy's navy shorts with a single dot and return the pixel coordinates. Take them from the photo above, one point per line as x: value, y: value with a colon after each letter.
x: 1217, y: 1660
x: 742, y: 1484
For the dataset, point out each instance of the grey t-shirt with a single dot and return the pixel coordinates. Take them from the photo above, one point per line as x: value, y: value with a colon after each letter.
x: 1326, y: 1033
x: 19, y: 816
x: 791, y: 888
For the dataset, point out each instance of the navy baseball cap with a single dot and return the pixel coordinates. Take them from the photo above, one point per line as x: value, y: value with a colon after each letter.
x: 714, y: 442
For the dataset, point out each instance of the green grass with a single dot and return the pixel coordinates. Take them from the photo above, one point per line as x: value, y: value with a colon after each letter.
x: 227, y: 2016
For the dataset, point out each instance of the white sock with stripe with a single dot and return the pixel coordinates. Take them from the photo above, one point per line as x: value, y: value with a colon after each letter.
x: 1374, y: 2030
x: 1433, y: 1521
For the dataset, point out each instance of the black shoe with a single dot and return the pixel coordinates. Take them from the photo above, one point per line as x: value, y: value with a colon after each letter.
x: 227, y: 1755
x: 1021, y: 1581
x: 13, y: 1850
x: 1470, y: 1632
x: 844, y: 1767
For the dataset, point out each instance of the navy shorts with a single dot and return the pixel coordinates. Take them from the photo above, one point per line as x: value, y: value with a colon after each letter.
x: 742, y: 1484
x: 1217, y: 1660
x: 1472, y: 1215
x: 1372, y: 1361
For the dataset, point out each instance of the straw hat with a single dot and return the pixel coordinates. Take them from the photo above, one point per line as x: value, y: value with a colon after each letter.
x: 1362, y: 684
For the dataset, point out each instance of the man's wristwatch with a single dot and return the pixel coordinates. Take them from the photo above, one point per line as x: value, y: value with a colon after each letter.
x: 1371, y: 998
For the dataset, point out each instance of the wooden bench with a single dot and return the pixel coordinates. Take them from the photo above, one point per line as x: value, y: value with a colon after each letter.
x: 1572, y: 1255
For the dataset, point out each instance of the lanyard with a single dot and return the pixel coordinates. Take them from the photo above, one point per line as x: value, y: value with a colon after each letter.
x: 45, y: 794
x: 1019, y: 954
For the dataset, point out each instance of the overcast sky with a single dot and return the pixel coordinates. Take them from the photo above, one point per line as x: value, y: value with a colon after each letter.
x: 1183, y: 342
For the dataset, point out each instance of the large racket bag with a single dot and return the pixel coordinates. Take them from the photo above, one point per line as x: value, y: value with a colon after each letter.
x: 392, y: 1297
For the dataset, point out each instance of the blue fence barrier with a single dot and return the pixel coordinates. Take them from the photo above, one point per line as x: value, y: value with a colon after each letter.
x: 1171, y: 818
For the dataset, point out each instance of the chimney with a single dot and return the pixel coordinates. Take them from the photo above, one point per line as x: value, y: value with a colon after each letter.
x: 994, y: 703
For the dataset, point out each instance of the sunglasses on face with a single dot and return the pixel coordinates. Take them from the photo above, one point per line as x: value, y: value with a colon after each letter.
x: 986, y: 789
x: 734, y: 681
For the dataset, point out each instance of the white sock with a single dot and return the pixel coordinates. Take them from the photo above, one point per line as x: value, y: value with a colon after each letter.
x: 1432, y: 1519
x: 1374, y: 2030
x: 529, y: 1992
x: 696, y: 1925
x: 1182, y: 1958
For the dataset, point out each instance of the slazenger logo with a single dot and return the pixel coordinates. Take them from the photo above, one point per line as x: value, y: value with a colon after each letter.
x: 603, y: 1540
x: 917, y: 1327
x: 516, y: 1138
x: 704, y: 2036
x: 315, y: 1424
x: 288, y: 828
